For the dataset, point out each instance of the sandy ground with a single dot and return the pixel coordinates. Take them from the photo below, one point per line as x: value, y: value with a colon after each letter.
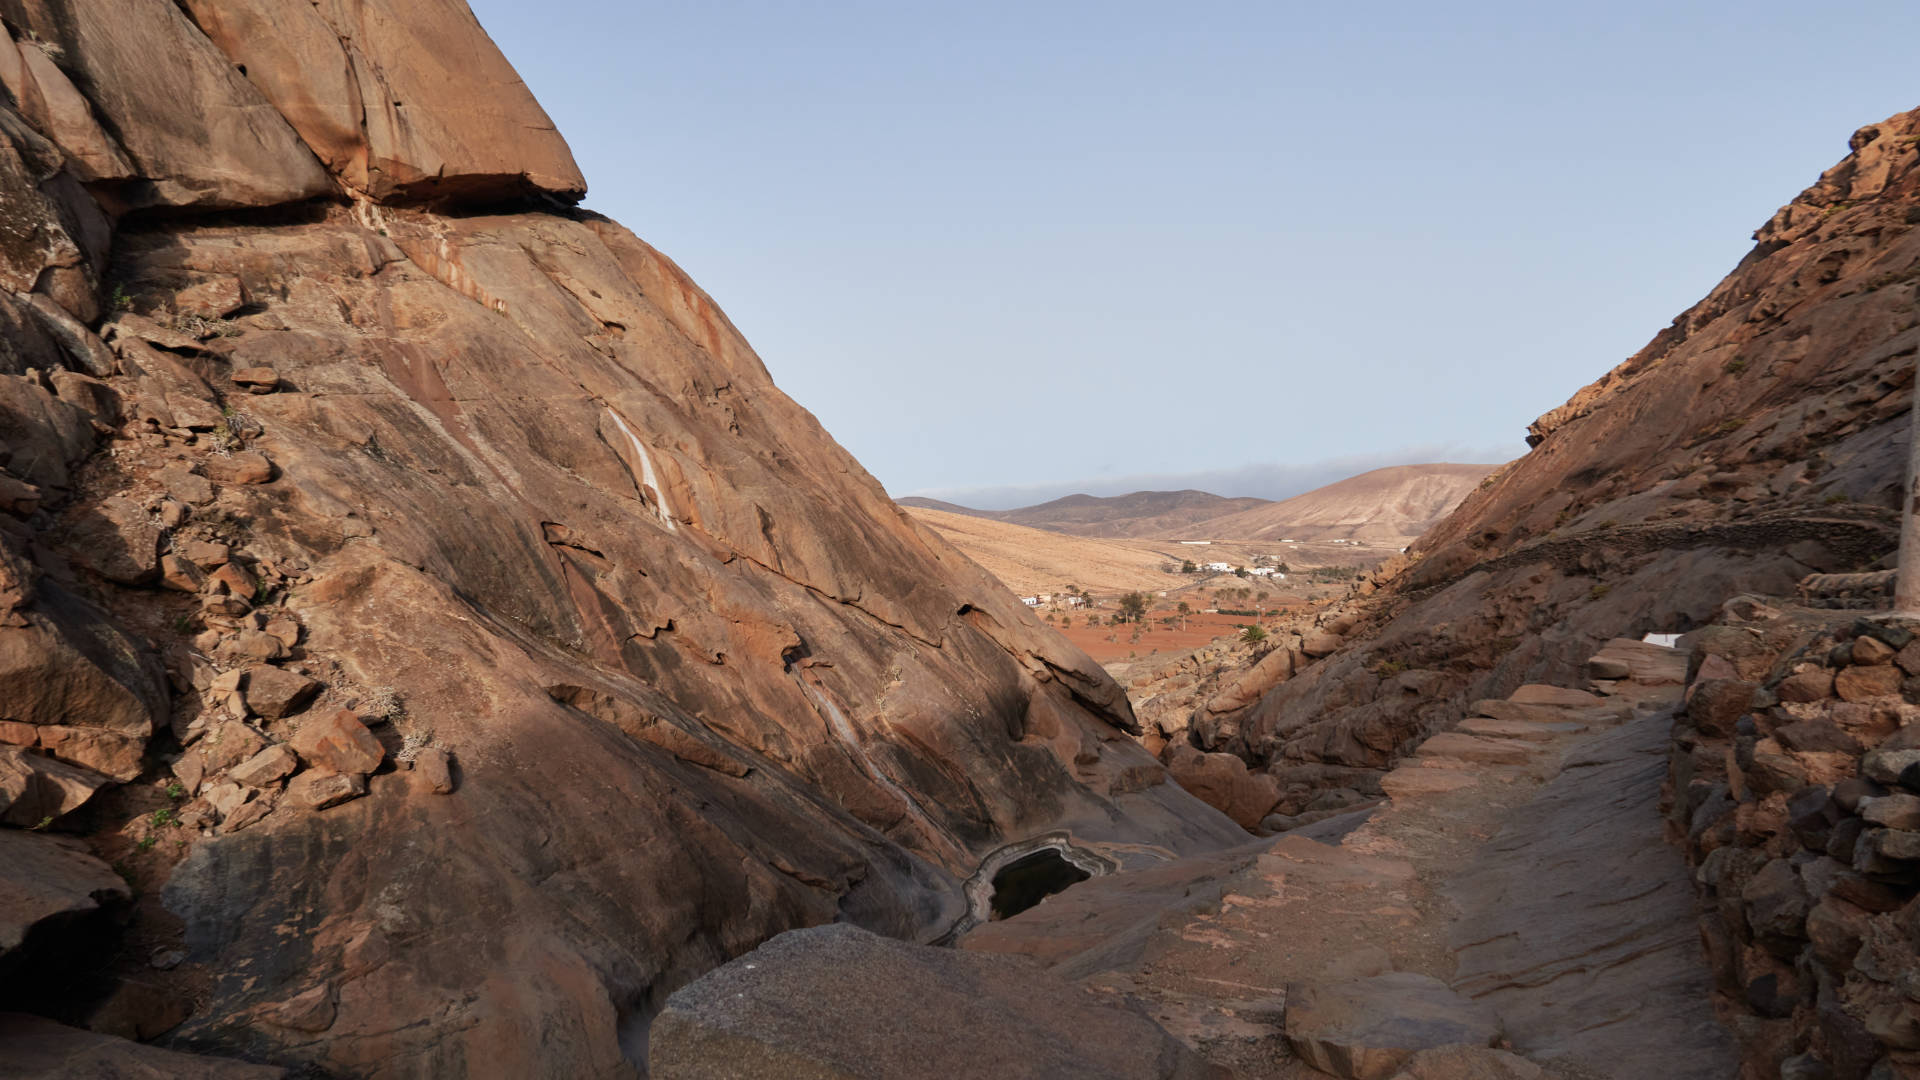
x: 1109, y: 644
x: 1034, y: 561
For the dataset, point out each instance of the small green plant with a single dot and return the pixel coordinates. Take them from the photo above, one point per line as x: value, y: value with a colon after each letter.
x: 183, y: 622
x: 163, y: 818
x: 1252, y: 635
x: 1735, y: 366
x: 1387, y: 669
x: 1837, y: 498
x: 120, y: 298
x: 42, y: 823
x: 144, y: 845
x: 176, y: 790
x: 1730, y: 425
x: 1598, y: 591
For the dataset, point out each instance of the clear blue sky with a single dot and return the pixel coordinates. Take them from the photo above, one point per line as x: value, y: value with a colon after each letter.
x: 1009, y: 250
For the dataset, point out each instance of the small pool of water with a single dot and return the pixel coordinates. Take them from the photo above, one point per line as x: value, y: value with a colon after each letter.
x: 1030, y: 879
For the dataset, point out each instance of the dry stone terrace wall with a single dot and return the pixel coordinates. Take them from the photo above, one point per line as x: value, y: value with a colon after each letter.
x: 1794, y: 788
x: 429, y: 600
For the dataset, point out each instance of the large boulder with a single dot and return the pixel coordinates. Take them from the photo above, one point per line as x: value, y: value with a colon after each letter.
x: 837, y: 1002
x: 89, y: 690
x: 403, y: 101
x: 195, y: 132
x: 1223, y: 782
x: 36, y: 790
x: 45, y: 880
x: 1367, y: 1029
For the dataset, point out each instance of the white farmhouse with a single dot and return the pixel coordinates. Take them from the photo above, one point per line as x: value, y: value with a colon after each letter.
x: 1220, y: 567
x: 1030, y: 601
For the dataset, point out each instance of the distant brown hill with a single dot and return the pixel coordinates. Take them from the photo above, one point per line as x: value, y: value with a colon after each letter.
x: 1143, y: 514
x: 1030, y: 561
x: 1391, y: 505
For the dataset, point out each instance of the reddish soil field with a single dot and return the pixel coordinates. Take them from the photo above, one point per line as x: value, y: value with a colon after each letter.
x: 1154, y: 637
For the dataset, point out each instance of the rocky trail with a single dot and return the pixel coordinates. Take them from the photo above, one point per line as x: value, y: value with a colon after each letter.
x: 1513, y: 893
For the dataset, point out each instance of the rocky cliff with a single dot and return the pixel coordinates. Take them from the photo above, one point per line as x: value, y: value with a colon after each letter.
x: 423, y: 593
x: 1759, y: 439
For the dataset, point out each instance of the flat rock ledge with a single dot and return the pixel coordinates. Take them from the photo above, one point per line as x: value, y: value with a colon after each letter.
x: 1368, y: 1029
x: 838, y: 1003
x: 39, y: 1049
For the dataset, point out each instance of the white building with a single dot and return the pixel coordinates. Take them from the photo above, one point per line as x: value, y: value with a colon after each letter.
x: 1197, y: 543
x: 1030, y: 601
x: 1220, y: 567
x: 1073, y: 601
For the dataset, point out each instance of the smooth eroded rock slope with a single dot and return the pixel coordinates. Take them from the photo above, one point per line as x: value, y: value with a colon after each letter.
x: 504, y: 648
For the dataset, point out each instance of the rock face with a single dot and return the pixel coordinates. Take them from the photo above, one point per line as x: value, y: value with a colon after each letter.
x: 43, y: 1050
x: 1367, y: 1029
x: 797, y: 1006
x: 1222, y: 781
x: 1757, y: 441
x: 402, y: 101
x: 1579, y: 910
x: 46, y: 878
x: 188, y: 128
x: 519, y: 497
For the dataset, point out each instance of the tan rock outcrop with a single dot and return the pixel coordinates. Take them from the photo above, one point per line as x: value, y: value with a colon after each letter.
x: 765, y: 1017
x: 48, y: 877
x: 403, y: 101
x: 194, y: 130
x: 1223, y: 782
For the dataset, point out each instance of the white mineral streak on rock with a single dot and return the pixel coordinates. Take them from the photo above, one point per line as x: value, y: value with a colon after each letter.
x: 648, y: 481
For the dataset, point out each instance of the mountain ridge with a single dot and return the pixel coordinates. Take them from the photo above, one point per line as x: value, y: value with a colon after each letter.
x: 1393, y: 503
